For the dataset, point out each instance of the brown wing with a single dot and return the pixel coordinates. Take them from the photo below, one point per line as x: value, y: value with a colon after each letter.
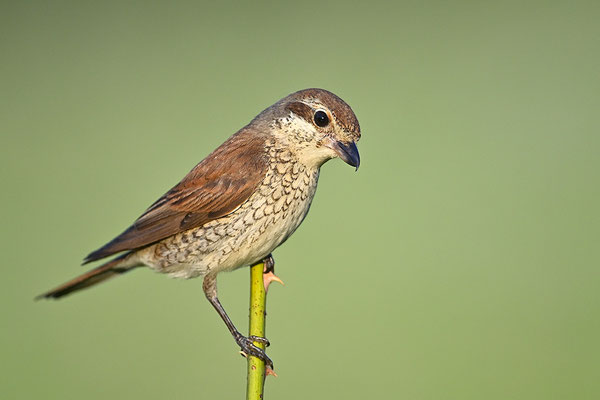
x: 214, y: 188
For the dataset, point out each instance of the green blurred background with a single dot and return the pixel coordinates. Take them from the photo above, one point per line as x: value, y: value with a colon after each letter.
x: 460, y: 262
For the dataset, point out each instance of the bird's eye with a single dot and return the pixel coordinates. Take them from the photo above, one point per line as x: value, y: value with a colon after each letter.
x: 321, y: 119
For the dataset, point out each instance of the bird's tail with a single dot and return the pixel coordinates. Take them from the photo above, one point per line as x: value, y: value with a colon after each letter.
x: 114, y: 267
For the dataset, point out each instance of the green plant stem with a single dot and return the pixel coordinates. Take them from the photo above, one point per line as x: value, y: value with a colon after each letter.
x: 258, y: 299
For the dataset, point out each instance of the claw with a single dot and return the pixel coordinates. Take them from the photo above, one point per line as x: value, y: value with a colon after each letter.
x: 250, y: 349
x: 259, y: 339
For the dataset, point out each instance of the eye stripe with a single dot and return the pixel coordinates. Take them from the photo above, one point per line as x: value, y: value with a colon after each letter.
x: 302, y: 110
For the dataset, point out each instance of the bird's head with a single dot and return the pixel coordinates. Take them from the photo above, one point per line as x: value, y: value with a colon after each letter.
x: 317, y: 126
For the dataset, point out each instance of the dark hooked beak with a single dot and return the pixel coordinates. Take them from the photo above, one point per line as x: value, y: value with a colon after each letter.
x: 347, y: 152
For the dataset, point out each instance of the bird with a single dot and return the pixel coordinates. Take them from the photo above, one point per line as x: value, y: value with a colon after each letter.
x: 236, y: 206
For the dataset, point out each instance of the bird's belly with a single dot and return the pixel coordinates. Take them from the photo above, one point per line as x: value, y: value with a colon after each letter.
x: 241, y: 238
x: 264, y: 237
x: 273, y: 223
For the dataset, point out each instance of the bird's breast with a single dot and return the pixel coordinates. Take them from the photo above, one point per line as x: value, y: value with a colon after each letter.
x: 272, y: 213
x: 269, y: 216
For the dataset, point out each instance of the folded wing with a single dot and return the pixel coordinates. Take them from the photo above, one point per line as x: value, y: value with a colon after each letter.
x: 214, y: 188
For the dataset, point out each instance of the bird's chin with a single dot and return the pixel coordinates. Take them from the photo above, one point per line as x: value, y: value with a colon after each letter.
x: 316, y: 158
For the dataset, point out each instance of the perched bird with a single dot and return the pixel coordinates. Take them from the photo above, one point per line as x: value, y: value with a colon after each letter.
x: 238, y: 204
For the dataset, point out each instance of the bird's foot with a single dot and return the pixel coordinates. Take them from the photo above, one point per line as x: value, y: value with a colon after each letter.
x: 248, y: 348
x: 269, y: 272
x: 259, y: 339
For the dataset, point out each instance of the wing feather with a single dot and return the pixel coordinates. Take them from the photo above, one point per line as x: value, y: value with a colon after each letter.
x: 212, y: 189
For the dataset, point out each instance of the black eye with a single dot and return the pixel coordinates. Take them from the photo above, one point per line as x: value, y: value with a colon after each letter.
x: 321, y: 119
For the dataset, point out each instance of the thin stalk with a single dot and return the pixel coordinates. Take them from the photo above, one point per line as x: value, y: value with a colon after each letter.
x: 258, y: 300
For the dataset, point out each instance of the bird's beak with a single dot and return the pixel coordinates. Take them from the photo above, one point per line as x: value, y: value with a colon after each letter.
x: 347, y: 152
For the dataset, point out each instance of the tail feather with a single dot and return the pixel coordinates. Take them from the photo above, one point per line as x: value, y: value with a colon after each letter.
x: 99, y: 274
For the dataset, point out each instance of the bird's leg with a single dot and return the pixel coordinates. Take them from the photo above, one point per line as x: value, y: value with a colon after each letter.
x: 269, y: 272
x: 246, y: 343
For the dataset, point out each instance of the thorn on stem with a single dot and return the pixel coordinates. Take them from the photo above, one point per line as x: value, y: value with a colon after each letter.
x: 270, y: 277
